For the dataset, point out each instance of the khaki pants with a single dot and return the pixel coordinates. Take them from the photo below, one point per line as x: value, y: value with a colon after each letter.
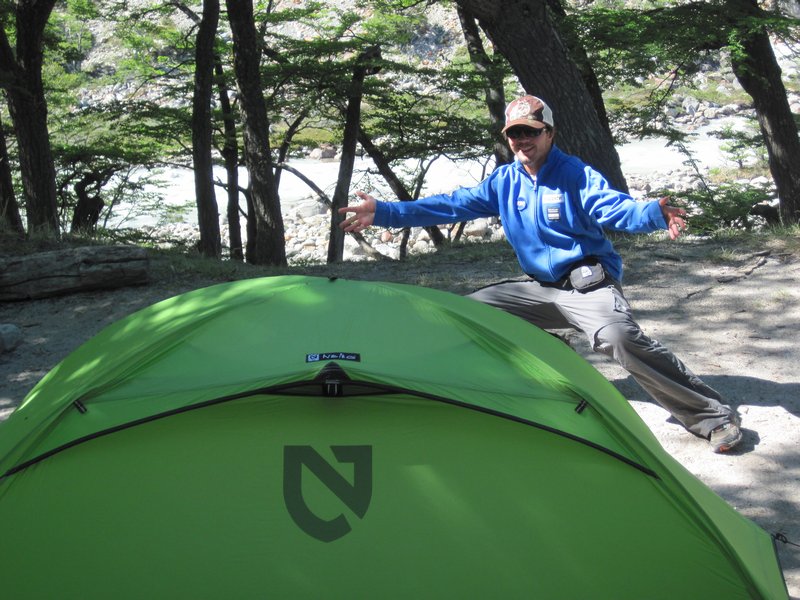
x: 604, y: 315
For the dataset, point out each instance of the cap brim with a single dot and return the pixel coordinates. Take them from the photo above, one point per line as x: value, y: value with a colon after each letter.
x: 524, y: 123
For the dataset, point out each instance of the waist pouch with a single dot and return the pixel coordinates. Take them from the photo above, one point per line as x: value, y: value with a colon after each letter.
x: 587, y: 275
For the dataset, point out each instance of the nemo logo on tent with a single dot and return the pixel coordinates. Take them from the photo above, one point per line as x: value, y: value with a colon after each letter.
x: 353, y: 356
x: 356, y: 495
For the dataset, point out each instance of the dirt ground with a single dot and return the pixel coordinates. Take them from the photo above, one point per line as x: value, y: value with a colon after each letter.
x: 730, y: 311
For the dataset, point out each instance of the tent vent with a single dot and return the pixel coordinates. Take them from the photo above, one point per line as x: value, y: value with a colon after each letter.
x: 332, y: 389
x: 332, y: 377
x: 581, y: 406
x: 80, y: 406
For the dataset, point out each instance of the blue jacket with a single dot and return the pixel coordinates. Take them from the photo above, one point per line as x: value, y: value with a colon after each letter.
x: 552, y: 220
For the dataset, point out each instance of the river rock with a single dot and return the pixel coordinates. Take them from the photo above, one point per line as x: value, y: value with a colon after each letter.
x: 10, y: 337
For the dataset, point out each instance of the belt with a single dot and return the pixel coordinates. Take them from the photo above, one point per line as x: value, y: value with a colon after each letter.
x: 562, y: 284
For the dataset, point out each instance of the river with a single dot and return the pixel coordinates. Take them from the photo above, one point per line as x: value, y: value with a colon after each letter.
x: 638, y: 157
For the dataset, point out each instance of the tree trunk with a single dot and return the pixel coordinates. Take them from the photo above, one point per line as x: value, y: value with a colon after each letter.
x: 230, y: 146
x: 584, y: 64
x: 758, y: 73
x: 206, y: 198
x: 28, y: 108
x: 230, y: 155
x: 286, y: 144
x: 35, y: 162
x: 364, y: 65
x: 523, y: 31
x: 9, y: 209
x: 493, y: 90
x: 268, y: 245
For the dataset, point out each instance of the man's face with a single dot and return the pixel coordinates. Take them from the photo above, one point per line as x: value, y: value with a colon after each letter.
x: 530, y: 146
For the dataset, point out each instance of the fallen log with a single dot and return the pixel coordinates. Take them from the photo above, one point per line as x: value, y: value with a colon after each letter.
x: 71, y: 270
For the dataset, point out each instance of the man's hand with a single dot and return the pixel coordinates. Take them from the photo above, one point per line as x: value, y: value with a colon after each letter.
x: 363, y: 214
x: 673, y: 217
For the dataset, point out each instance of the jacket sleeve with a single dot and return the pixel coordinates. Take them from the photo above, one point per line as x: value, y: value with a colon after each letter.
x: 616, y: 210
x: 463, y: 204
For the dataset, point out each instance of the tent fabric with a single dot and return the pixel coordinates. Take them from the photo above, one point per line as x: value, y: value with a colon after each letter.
x: 309, y: 437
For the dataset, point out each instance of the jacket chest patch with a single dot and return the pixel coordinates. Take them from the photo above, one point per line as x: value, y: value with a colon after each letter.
x: 553, y: 205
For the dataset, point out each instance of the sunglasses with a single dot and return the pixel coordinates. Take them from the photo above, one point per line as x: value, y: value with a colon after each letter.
x: 516, y: 133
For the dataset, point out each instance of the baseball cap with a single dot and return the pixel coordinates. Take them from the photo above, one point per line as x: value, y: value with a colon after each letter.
x: 529, y: 111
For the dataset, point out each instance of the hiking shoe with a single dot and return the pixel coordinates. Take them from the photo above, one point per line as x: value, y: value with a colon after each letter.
x: 725, y: 437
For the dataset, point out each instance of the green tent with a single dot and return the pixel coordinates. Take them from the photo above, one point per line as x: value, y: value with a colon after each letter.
x: 296, y: 437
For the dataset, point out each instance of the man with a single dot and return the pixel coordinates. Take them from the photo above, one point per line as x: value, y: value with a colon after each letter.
x: 554, y: 209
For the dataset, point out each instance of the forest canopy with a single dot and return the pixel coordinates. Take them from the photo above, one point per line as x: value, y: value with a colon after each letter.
x: 101, y: 97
